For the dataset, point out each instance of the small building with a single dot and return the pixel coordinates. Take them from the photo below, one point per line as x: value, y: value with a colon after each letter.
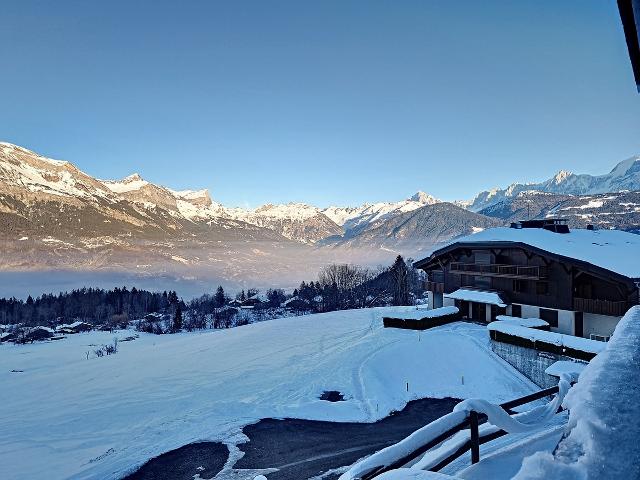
x: 75, y: 327
x: 296, y: 304
x: 580, y: 281
x: 38, y: 333
x: 7, y: 337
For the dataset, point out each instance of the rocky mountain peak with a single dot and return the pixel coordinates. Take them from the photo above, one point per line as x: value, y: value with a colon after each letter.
x: 423, y: 198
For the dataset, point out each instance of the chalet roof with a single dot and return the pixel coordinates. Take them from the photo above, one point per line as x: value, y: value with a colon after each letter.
x: 613, y: 250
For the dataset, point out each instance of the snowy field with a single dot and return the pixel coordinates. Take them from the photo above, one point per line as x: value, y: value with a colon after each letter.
x: 65, y: 416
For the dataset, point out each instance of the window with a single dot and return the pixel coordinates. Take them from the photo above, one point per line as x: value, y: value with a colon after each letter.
x: 516, y: 310
x: 519, y: 286
x: 542, y: 288
x: 549, y: 316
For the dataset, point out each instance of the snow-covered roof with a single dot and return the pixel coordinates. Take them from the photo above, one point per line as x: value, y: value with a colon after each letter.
x: 613, y: 250
x: 577, y: 343
x: 40, y: 327
x: 74, y: 324
x: 480, y: 296
x: 523, y: 322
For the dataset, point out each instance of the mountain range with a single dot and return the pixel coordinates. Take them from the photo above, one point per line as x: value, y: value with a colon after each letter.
x: 56, y: 217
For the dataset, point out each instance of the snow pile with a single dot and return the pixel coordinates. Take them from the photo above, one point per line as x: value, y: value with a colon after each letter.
x: 491, y: 298
x: 603, y: 429
x: 66, y: 416
x: 523, y: 322
x: 565, y: 367
x: 559, y: 339
x: 523, y: 422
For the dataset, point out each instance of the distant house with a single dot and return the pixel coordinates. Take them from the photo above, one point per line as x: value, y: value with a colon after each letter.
x: 235, y: 303
x: 254, y: 300
x: 38, y: 333
x: 155, y: 317
x: 296, y: 304
x: 75, y: 327
x: 580, y: 282
x: 7, y: 337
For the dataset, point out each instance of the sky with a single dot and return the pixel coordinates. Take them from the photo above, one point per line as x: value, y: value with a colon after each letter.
x: 330, y: 103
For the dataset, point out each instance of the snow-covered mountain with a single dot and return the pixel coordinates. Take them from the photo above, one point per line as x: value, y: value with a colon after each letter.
x: 53, y: 215
x: 619, y: 210
x: 354, y: 219
x: 624, y: 176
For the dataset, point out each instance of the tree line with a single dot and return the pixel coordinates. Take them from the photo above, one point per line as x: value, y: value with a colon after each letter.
x: 337, y: 287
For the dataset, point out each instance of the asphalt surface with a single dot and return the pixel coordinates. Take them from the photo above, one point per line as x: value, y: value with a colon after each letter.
x: 299, y: 449
x: 204, y: 458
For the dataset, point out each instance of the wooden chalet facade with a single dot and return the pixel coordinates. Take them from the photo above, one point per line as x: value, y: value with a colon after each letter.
x: 490, y: 274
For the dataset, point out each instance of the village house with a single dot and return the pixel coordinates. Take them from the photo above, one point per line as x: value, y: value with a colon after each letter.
x: 75, y: 327
x: 580, y: 281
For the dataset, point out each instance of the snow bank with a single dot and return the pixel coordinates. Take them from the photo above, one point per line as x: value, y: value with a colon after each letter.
x: 523, y: 322
x: 66, y: 416
x: 603, y: 430
x: 553, y: 338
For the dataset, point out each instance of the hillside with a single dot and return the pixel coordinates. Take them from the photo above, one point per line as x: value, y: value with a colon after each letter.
x: 195, y: 386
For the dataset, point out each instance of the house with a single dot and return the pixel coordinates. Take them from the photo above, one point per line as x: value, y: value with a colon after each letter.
x: 297, y: 304
x: 38, y: 333
x: 581, y: 281
x: 75, y: 327
x: 7, y: 337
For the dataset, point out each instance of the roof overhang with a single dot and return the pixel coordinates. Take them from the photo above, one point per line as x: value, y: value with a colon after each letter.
x: 630, y: 16
x: 435, y: 260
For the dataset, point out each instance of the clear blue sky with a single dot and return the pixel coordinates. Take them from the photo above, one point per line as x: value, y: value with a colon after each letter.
x: 332, y: 102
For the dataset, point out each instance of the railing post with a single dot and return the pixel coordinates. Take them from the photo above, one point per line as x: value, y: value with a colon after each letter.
x: 475, y: 437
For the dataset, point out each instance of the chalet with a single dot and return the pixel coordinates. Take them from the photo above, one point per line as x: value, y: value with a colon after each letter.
x: 38, y: 333
x: 579, y: 281
x: 75, y: 327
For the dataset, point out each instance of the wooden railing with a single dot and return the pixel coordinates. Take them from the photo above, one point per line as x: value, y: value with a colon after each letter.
x: 601, y: 307
x: 471, y: 422
x: 499, y: 270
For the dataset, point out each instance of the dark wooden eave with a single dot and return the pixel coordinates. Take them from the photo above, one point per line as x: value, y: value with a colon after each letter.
x: 630, y: 16
x: 435, y: 259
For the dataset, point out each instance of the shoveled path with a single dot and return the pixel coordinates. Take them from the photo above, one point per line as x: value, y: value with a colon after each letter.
x: 299, y: 449
x: 302, y: 449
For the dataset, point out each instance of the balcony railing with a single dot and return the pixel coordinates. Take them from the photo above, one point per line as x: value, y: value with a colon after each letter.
x: 601, y: 307
x: 499, y: 270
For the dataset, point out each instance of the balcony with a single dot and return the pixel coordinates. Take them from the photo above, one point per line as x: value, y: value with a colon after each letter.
x: 601, y: 307
x: 524, y: 272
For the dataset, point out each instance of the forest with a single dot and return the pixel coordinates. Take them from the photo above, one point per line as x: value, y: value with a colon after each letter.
x: 337, y: 287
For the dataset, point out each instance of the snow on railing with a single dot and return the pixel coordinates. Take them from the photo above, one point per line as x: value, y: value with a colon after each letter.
x: 460, y: 432
x: 603, y: 428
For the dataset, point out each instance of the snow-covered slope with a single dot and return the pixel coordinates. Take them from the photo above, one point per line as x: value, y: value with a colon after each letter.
x: 624, y: 176
x: 65, y: 416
